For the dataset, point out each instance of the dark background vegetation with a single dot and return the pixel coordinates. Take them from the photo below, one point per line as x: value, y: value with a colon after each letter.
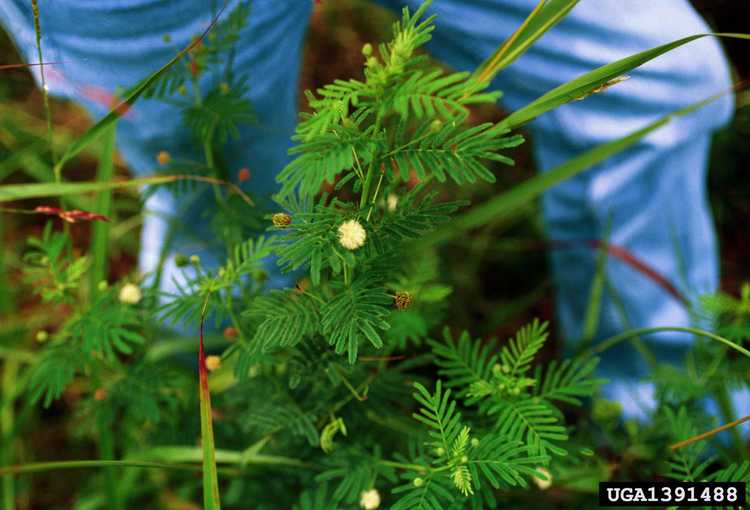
x: 499, y: 272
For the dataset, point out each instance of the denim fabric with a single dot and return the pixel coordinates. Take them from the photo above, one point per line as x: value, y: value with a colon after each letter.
x: 652, y: 195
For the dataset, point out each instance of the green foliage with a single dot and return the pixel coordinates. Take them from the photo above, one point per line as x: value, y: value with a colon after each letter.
x: 356, y: 314
x: 287, y: 318
x: 51, y: 269
x: 219, y: 115
x: 522, y: 408
x: 311, y: 394
x: 344, y: 133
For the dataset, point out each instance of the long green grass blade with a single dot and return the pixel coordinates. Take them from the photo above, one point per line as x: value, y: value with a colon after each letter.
x: 545, y: 16
x: 100, y: 229
x: 49, y: 189
x: 589, y: 82
x: 7, y: 400
x: 596, y: 292
x: 616, y: 339
x: 131, y: 97
x: 506, y: 204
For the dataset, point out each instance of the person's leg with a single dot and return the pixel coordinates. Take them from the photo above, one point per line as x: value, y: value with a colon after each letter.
x: 100, y: 47
x: 654, y: 193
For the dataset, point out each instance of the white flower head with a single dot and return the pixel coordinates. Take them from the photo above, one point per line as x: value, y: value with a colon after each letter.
x: 130, y: 294
x: 369, y: 500
x: 543, y: 484
x: 352, y: 235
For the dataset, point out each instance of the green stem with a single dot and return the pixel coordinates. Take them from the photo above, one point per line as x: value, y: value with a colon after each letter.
x: 100, y: 229
x: 596, y: 293
x: 636, y: 341
x: 38, y: 467
x: 616, y: 339
x: 370, y: 169
x: 107, y: 452
x: 45, y: 95
x: 401, y: 465
x: 10, y: 371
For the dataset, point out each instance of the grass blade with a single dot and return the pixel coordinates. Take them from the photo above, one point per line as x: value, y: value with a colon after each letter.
x: 131, y: 97
x: 211, y: 499
x: 544, y: 16
x: 506, y: 204
x: 48, y: 189
x: 589, y: 82
x: 100, y: 229
x: 596, y: 292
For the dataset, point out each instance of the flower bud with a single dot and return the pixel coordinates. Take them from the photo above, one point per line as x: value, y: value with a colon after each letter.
x: 163, y: 158
x: 212, y: 363
x: 418, y: 482
x: 367, y: 50
x: 402, y: 300
x: 230, y: 333
x: 281, y: 220
x: 195, y: 260
x: 243, y: 174
x: 41, y: 336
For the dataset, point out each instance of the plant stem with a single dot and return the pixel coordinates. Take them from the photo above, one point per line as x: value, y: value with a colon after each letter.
x: 370, y: 169
x: 45, y: 95
x: 709, y: 433
x: 616, y: 339
x: 211, y: 499
x: 724, y: 401
x: 107, y: 452
x: 37, y: 467
x: 10, y: 371
x: 100, y: 229
x: 401, y: 465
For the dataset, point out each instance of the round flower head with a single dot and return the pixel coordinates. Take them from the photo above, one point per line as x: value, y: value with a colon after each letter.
x: 370, y: 500
x: 281, y: 220
x: 402, y: 300
x: 130, y: 294
x: 352, y: 235
x: 212, y: 363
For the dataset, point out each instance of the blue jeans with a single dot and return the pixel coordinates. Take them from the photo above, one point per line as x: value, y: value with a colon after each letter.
x: 652, y: 195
